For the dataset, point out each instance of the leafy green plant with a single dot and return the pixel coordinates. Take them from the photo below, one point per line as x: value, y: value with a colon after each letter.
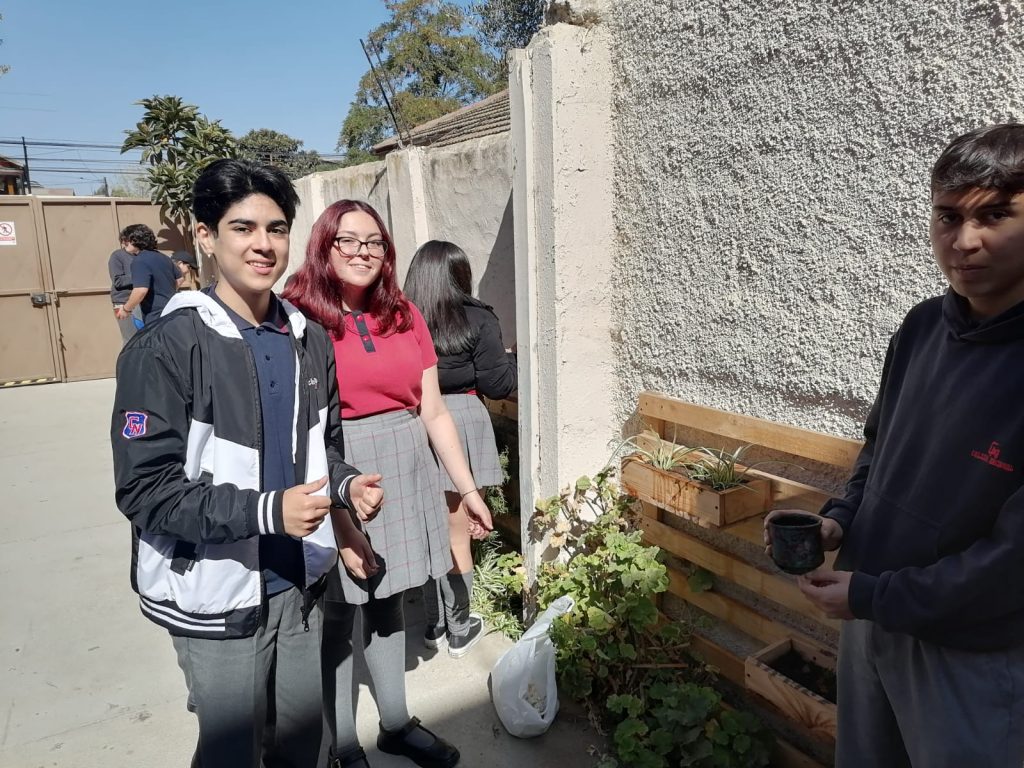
x: 615, y: 655
x: 630, y: 669
x: 684, y: 724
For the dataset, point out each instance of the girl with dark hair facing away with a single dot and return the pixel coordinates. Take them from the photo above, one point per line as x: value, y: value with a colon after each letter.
x: 471, y: 361
x: 393, y: 414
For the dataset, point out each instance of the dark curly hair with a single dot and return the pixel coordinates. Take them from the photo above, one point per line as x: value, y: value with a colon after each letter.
x: 140, y: 236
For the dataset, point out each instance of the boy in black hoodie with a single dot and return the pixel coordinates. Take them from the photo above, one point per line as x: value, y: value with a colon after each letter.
x: 930, y: 575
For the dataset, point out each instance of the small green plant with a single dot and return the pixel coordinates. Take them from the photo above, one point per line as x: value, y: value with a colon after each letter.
x: 650, y: 448
x: 718, y: 468
x: 498, y: 586
x: 494, y: 495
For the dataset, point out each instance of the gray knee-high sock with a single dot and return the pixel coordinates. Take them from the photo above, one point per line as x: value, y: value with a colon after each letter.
x: 384, y: 644
x: 337, y: 664
x: 432, y: 604
x: 456, y: 589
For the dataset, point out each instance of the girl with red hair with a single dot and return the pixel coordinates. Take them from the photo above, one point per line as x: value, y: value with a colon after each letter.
x: 393, y: 414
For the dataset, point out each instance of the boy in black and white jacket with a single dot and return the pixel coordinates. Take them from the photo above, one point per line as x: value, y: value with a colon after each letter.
x: 228, y: 458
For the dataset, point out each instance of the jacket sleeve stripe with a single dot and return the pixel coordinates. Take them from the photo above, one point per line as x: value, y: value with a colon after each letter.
x: 267, y: 512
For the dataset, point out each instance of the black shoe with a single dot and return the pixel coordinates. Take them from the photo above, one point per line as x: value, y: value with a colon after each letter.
x: 434, y: 637
x: 439, y: 754
x: 354, y: 758
x: 459, y: 645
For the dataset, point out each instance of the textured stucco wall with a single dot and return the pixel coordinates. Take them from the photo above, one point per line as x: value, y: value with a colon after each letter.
x: 771, y: 180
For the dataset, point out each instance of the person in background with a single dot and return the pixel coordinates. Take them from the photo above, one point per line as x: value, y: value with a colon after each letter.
x: 154, y: 277
x: 393, y: 413
x: 120, y: 267
x: 471, y: 362
x: 189, y: 269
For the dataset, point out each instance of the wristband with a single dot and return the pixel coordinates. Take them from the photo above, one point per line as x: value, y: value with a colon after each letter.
x: 469, y: 492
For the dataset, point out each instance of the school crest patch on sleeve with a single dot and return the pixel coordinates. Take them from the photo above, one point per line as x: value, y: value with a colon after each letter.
x: 134, y: 424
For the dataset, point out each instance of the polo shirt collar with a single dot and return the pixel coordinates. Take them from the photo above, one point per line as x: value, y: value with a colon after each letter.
x: 276, y: 319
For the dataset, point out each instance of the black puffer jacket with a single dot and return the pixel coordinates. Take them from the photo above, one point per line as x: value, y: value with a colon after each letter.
x: 487, y: 368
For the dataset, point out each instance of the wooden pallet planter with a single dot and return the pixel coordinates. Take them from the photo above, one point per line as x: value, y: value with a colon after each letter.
x: 675, y: 492
x: 802, y: 705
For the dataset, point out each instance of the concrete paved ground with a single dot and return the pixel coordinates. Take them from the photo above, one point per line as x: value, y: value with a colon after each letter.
x: 86, y: 681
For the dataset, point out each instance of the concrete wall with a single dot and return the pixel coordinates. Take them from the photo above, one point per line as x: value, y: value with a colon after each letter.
x: 771, y: 184
x: 460, y: 193
x: 565, y: 249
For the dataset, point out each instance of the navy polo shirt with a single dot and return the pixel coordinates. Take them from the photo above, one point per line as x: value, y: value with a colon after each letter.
x: 157, y: 272
x: 270, y: 343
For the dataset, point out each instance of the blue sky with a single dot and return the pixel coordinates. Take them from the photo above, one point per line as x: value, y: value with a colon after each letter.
x: 77, y: 66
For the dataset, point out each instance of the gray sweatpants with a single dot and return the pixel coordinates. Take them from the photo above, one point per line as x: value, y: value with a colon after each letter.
x: 258, y: 695
x: 907, y: 703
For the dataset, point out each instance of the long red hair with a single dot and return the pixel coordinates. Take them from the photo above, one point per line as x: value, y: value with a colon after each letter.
x: 316, y: 288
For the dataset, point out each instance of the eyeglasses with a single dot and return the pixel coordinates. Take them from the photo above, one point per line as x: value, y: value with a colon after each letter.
x: 349, y: 246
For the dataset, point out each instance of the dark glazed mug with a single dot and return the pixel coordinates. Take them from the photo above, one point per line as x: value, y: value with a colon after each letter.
x: 796, y: 541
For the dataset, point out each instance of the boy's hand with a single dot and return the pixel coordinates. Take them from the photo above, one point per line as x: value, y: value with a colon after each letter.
x: 357, y: 554
x: 829, y: 590
x: 831, y: 532
x: 302, y: 510
x: 367, y: 496
x: 478, y: 515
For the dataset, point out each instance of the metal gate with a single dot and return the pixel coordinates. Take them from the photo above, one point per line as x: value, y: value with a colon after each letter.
x: 56, y: 321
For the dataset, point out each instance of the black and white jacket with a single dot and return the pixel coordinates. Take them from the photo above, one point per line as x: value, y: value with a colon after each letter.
x: 187, y: 435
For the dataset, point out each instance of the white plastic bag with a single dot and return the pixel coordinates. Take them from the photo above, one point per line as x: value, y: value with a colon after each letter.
x: 523, y: 679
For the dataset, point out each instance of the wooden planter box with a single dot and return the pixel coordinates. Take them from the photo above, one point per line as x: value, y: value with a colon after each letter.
x: 676, y: 493
x: 798, y: 703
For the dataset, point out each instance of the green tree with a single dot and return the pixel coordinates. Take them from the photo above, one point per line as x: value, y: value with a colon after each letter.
x: 431, y: 62
x: 264, y: 145
x: 506, y: 24
x: 129, y: 185
x: 177, y: 143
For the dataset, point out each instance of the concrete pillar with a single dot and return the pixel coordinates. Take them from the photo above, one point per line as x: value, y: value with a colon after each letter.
x: 562, y: 157
x: 409, y: 221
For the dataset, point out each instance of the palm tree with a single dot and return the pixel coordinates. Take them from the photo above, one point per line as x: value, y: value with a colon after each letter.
x: 177, y: 143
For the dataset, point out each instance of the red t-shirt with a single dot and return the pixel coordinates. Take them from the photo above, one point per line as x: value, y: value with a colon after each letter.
x: 387, y: 379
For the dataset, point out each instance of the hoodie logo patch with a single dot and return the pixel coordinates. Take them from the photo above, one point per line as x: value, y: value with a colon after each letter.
x: 313, y: 382
x: 991, y: 457
x: 134, y: 424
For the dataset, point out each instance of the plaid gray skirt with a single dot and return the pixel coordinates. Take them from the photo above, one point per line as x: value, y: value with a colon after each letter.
x: 476, y: 435
x: 410, y: 533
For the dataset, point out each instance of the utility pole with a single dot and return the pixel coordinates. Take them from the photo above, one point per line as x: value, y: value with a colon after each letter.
x: 106, y: 187
x: 25, y: 173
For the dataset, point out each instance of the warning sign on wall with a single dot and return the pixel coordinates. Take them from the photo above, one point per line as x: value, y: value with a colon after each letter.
x: 7, y: 234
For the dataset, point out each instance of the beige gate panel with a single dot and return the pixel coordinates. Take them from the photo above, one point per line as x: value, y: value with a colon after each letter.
x: 20, y: 262
x: 168, y: 234
x: 80, y: 237
x: 26, y: 353
x: 26, y: 330
x: 89, y: 334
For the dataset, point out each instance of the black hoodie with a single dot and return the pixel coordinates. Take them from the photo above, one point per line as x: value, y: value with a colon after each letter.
x: 933, y: 515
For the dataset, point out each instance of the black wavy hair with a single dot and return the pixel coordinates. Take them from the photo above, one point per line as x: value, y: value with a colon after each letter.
x: 225, y: 182
x: 991, y: 157
x: 440, y: 284
x: 139, y: 235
